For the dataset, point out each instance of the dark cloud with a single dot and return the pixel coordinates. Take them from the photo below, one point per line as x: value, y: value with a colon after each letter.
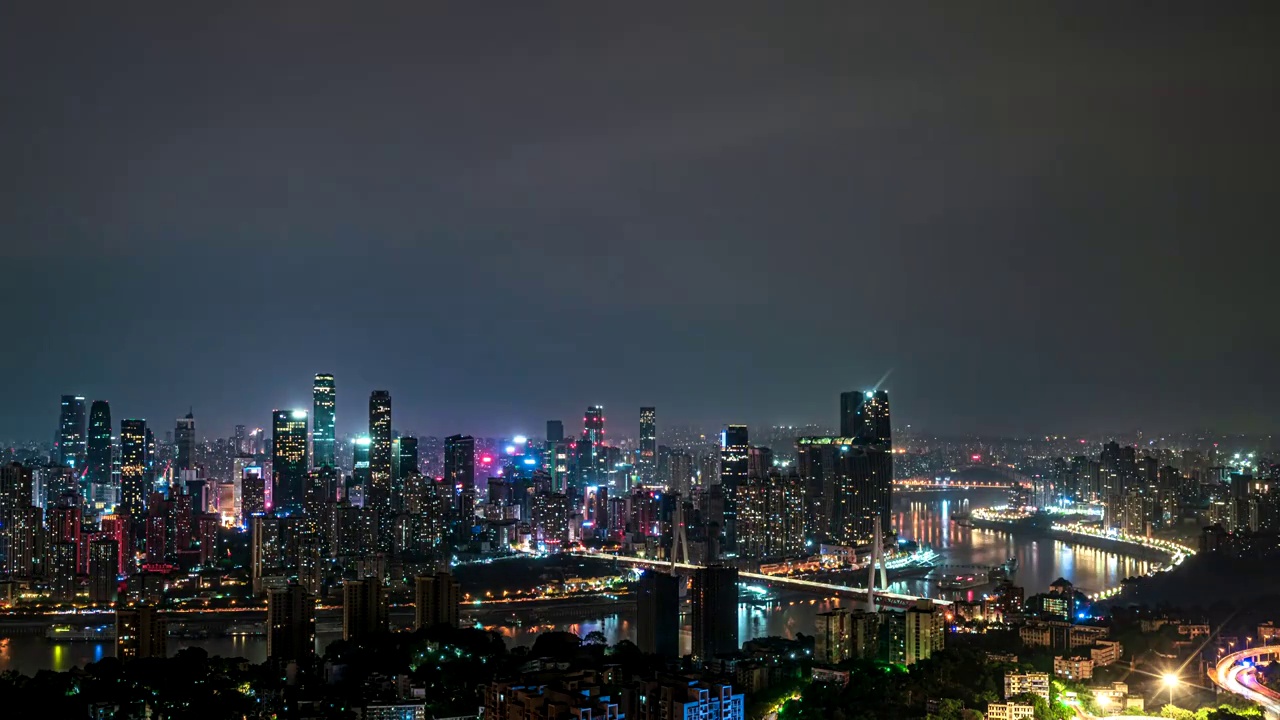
x: 1047, y: 218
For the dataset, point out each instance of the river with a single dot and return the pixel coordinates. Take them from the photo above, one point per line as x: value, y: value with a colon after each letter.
x: 923, y: 517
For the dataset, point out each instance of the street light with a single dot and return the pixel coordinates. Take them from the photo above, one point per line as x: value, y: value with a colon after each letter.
x: 1171, y: 681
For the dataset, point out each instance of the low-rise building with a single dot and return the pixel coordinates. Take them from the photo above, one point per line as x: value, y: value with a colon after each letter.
x: 1073, y: 668
x: 1036, y: 683
x: 403, y: 711
x: 1035, y: 635
x: 1106, y: 652
x: 594, y: 695
x: 1115, y: 698
x: 551, y: 696
x: 675, y: 698
x: 1194, y: 631
x: 1010, y: 711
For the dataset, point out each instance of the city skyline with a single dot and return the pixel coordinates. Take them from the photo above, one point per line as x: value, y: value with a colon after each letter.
x: 730, y: 361
x: 354, y: 424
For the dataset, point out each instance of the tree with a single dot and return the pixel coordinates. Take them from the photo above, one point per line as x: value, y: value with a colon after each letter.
x: 556, y: 644
x: 595, y: 638
x: 1173, y: 712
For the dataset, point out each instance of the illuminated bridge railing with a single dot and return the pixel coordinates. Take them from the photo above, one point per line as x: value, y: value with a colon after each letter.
x: 891, y: 599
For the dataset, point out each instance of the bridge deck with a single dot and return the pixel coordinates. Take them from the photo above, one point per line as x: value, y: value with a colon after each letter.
x: 883, y: 597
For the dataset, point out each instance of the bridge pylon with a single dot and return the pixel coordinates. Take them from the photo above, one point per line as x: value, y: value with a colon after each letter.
x: 679, y: 538
x: 877, y: 558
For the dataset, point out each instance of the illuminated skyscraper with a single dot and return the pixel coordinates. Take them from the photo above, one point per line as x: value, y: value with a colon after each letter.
x: 865, y: 416
x: 734, y: 461
x: 17, y: 531
x: 648, y: 459
x: 135, y: 468
x: 71, y: 432
x: 591, y: 455
x: 359, y: 489
x: 854, y: 482
x: 380, y: 450
x: 184, y: 438
x: 323, y: 438
x: 593, y: 424
x: 288, y: 459
x: 98, y: 452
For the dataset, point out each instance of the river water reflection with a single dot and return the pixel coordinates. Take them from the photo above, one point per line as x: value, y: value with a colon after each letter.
x: 924, y: 517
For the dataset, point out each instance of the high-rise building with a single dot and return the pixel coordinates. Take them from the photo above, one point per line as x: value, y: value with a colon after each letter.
x: 184, y: 438
x: 550, y: 520
x: 658, y: 614
x: 852, y: 484
x: 61, y: 571
x: 864, y: 415
x: 460, y: 467
x: 288, y: 459
x: 20, y: 523
x: 926, y: 630
x: 591, y: 455
x: 435, y: 600
x: 555, y: 431
x: 291, y: 625
x: 104, y: 564
x: 140, y: 633
x: 734, y: 461
x: 71, y: 432
x: 267, y: 551
x: 714, y: 597
x: 832, y: 639
x: 680, y: 468
x: 406, y: 457
x: 364, y: 608
x: 319, y: 491
x: 593, y: 424
x: 65, y: 523
x: 771, y: 516
x: 850, y: 478
x: 253, y: 493
x: 323, y: 428
x: 135, y: 467
x: 98, y: 448
x: 380, y: 470
x: 647, y: 461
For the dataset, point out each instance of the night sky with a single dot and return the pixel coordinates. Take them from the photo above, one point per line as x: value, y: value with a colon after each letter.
x: 1043, y: 220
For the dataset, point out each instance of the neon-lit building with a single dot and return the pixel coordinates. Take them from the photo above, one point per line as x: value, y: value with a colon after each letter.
x: 323, y: 413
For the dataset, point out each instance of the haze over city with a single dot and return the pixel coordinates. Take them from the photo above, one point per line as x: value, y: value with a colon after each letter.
x: 1047, y: 222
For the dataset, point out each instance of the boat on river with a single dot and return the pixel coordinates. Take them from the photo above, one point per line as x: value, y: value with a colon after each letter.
x: 89, y: 633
